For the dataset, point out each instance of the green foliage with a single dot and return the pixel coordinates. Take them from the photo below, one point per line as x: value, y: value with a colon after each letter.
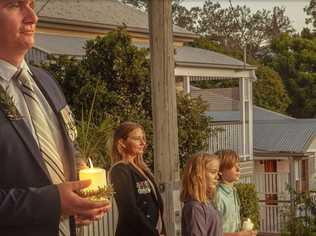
x: 249, y: 206
x: 294, y: 58
x: 301, y: 218
x: 194, y: 127
x: 121, y: 73
x: 310, y: 10
x: 93, y: 139
x: 103, y: 193
x: 269, y: 91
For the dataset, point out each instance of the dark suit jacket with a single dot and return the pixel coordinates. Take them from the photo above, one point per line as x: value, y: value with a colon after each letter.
x: 138, y: 208
x: 29, y: 203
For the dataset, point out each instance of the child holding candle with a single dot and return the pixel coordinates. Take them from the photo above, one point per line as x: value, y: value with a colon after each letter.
x: 199, y: 217
x: 136, y: 194
x: 227, y: 200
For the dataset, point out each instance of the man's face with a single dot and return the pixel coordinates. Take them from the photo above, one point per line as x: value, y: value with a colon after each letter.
x: 17, y: 24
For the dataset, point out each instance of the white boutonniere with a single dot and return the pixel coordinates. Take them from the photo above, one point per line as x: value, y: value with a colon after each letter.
x: 69, y: 122
x: 8, y: 106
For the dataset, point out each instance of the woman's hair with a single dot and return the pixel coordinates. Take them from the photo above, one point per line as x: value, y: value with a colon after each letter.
x: 228, y: 159
x: 118, y: 152
x: 194, y: 186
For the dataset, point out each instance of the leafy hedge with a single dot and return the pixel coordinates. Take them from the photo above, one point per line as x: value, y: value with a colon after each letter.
x: 249, y: 203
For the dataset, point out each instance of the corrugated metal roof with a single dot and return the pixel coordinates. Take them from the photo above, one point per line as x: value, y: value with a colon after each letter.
x: 284, y: 135
x: 222, y: 107
x: 216, y: 102
x: 60, y: 45
x: 74, y: 46
x: 258, y: 114
x: 189, y: 55
x: 273, y: 132
x: 109, y: 12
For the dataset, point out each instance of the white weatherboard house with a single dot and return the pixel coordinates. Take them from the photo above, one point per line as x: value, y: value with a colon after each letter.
x: 284, y: 151
x: 64, y: 27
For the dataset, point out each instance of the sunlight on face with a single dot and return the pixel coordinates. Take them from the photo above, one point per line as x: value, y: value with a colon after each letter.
x: 212, y: 169
x: 17, y: 23
x: 135, y: 142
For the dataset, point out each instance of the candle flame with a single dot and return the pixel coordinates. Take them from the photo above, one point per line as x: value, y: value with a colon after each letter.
x: 90, y: 163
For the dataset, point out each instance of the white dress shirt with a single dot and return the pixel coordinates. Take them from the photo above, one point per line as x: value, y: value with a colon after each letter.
x: 7, y: 71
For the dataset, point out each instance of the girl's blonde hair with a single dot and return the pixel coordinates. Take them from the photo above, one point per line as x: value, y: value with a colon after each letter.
x: 118, y: 151
x: 194, y: 186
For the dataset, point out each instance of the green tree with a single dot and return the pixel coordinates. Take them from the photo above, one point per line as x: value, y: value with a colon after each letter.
x: 301, y: 215
x: 294, y: 58
x: 236, y: 26
x: 310, y: 10
x: 194, y: 128
x: 121, y: 72
x: 269, y: 91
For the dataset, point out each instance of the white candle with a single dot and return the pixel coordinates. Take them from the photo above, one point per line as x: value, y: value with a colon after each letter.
x: 97, y: 177
x: 247, y: 225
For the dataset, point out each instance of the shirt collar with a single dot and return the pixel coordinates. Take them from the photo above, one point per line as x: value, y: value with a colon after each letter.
x: 226, y: 188
x: 8, y: 70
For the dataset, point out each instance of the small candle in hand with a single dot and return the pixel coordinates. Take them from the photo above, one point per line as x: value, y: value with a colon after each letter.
x: 247, y: 225
x: 96, y: 175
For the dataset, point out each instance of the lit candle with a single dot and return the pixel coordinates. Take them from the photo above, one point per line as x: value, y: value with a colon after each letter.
x: 96, y: 175
x: 247, y: 225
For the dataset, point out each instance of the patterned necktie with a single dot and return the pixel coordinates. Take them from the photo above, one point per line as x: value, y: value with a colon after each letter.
x: 44, y: 136
x: 42, y: 129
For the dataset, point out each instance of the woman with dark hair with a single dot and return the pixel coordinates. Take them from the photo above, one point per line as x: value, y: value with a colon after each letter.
x: 136, y: 194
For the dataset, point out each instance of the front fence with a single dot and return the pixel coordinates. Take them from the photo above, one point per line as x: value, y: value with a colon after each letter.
x: 104, y: 227
x: 273, y: 217
x: 274, y: 199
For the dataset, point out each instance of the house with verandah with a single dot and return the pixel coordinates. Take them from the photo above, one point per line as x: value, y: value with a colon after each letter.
x: 284, y: 151
x: 64, y: 27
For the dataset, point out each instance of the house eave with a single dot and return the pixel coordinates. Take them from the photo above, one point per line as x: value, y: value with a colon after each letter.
x: 267, y: 155
x: 219, y: 66
x: 98, y: 28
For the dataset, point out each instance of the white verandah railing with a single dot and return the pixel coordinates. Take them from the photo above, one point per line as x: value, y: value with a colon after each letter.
x: 229, y: 136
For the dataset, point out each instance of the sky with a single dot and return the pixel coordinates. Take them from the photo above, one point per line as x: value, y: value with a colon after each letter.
x: 294, y: 8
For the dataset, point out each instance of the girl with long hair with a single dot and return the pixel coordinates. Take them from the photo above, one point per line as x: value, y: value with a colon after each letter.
x: 199, y: 217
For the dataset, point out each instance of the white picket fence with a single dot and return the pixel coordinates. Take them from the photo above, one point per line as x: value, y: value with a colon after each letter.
x: 104, y: 227
x: 273, y: 217
x: 272, y: 183
x: 272, y: 214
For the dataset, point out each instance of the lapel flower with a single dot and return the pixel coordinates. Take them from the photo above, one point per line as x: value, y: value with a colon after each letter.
x: 8, y: 106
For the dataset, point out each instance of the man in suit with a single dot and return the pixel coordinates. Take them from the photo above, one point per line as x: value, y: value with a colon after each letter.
x: 37, y: 188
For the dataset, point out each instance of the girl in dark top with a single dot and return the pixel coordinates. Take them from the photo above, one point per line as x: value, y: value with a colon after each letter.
x: 136, y: 194
x: 199, y: 217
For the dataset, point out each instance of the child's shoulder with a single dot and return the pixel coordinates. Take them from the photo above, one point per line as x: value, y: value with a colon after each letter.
x: 192, y: 203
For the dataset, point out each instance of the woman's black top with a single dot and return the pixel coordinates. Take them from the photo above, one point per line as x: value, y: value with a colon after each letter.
x: 138, y: 204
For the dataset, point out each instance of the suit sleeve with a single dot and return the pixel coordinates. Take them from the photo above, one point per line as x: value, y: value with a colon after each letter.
x: 193, y: 220
x: 126, y: 201
x: 29, y: 206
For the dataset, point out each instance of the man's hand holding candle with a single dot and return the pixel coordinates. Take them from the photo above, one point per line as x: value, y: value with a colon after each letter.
x: 73, y: 204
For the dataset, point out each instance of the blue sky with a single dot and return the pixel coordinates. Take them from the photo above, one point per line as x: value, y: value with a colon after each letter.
x: 294, y: 8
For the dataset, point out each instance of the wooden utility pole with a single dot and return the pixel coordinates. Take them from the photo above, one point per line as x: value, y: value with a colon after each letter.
x: 165, y: 111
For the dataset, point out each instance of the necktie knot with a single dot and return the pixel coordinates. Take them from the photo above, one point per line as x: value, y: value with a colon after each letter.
x: 22, y: 77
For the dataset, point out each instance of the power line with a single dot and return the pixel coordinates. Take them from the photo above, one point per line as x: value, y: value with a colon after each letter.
x: 42, y: 7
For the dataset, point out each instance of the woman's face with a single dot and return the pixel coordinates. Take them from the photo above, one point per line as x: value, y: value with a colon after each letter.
x: 135, y: 143
x: 211, y: 172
